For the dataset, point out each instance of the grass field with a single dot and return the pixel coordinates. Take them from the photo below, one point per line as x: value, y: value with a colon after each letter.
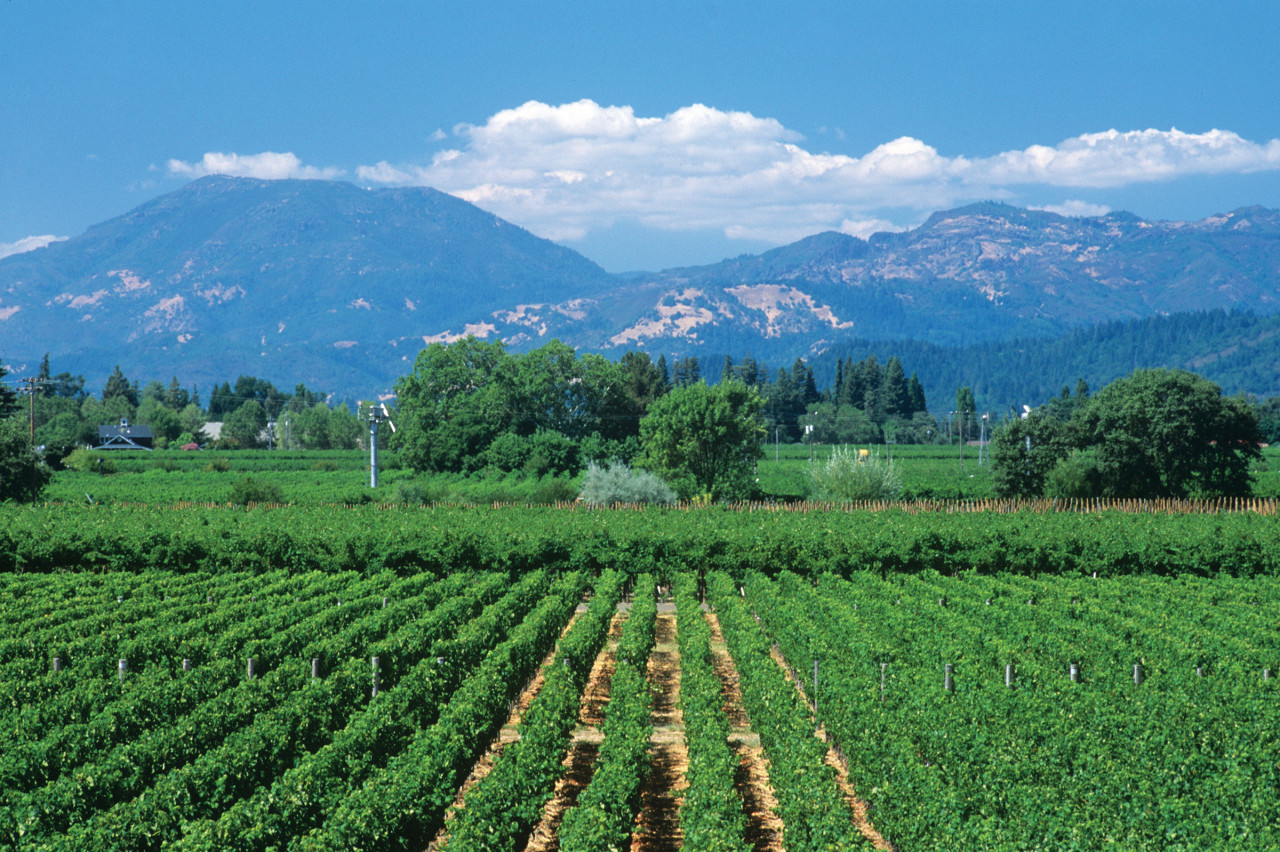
x: 342, y: 476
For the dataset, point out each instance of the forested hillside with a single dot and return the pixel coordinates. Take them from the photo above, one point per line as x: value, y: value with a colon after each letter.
x: 1238, y: 350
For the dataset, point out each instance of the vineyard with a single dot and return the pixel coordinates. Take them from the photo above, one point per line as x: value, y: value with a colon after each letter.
x: 541, y: 679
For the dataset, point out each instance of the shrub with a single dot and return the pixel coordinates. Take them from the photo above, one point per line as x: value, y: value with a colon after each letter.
x: 843, y: 477
x: 544, y: 452
x: 1075, y: 476
x: 217, y: 466
x: 554, y: 489
x: 250, y: 490
x: 618, y: 483
x: 23, y: 474
x: 423, y: 493
x: 84, y: 461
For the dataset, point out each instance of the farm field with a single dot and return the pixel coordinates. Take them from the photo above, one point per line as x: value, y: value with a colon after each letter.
x: 667, y: 707
x: 342, y: 476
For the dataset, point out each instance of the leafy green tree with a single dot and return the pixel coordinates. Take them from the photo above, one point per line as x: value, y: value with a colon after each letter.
x: 345, y: 428
x: 1024, y: 451
x: 551, y: 388
x: 842, y: 424
x: 705, y: 440
x: 309, y: 428
x: 243, y: 428
x: 23, y: 474
x: 65, y: 429
x: 639, y: 382
x: 453, y: 404
x: 1170, y: 433
x: 1268, y: 411
x: 1075, y: 476
x: 191, y: 419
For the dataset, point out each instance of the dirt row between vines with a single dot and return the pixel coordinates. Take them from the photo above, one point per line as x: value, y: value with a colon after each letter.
x: 657, y: 824
x: 836, y: 760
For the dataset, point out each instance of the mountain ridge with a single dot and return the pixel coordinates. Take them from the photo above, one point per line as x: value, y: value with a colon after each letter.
x: 337, y: 286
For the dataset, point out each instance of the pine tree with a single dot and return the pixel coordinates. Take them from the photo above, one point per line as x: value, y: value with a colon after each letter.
x: 44, y: 381
x: 915, y: 391
x: 895, y: 397
x: 665, y: 381
x: 8, y: 399
x: 118, y: 386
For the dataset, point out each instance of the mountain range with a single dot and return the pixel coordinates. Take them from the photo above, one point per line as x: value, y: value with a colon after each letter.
x: 339, y: 287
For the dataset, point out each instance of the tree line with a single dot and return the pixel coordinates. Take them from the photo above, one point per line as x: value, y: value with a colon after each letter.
x: 64, y: 414
x: 1154, y: 433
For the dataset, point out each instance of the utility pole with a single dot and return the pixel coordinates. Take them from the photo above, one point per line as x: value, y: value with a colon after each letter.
x: 377, y: 413
x: 31, y: 382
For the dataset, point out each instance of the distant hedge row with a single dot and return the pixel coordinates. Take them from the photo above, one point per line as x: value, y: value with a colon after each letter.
x: 370, y: 539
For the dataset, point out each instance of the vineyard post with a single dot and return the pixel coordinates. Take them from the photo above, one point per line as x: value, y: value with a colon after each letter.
x: 1199, y: 671
x: 249, y: 671
x: 186, y: 664
x: 315, y: 667
x: 123, y: 666
x: 57, y: 664
x: 1266, y: 674
x: 1008, y: 675
x: 1075, y: 673
x: 815, y: 688
x: 374, y: 662
x: 883, y: 667
x: 948, y: 678
x: 1137, y: 674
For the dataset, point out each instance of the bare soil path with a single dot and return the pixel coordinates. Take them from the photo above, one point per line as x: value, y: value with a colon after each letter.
x: 836, y: 760
x: 764, y: 828
x: 658, y: 823
x: 507, y: 734
x: 580, y: 761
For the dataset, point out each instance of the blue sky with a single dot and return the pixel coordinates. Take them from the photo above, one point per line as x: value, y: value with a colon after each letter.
x: 647, y: 135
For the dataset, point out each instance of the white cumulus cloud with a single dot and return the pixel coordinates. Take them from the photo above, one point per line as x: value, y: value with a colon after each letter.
x: 28, y: 244
x: 566, y: 171
x: 563, y: 171
x: 1076, y: 208
x: 269, y: 165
